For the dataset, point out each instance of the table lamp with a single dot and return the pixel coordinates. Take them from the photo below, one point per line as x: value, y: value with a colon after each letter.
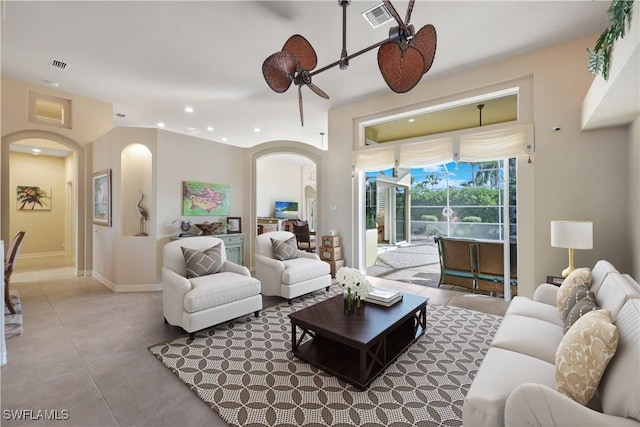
x: 571, y: 235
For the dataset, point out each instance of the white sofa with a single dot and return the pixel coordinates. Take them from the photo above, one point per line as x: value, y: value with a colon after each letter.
x: 515, y: 386
x: 201, y: 302
x: 291, y: 278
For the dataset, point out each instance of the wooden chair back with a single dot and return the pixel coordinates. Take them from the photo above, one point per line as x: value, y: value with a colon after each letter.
x: 12, y: 252
x: 9, y: 265
x: 303, y: 235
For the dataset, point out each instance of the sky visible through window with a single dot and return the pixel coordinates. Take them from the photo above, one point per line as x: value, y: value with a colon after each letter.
x: 459, y: 174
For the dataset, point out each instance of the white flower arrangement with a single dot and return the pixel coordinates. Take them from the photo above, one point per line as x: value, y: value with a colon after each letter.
x: 353, y: 281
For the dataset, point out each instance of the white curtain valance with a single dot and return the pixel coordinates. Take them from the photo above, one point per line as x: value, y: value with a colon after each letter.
x: 427, y: 153
x: 375, y: 159
x: 507, y: 142
x: 471, y: 145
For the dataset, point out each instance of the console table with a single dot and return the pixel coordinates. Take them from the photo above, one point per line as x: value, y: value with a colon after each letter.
x: 233, y: 244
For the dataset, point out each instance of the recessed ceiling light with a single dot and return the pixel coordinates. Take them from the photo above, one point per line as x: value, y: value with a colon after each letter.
x: 412, y: 120
x: 160, y: 124
x: 36, y: 150
x: 188, y: 109
x: 210, y: 128
x: 224, y: 139
x: 256, y: 130
x: 51, y: 83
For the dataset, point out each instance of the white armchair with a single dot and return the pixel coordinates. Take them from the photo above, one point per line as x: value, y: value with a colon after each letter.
x: 207, y: 300
x: 291, y: 278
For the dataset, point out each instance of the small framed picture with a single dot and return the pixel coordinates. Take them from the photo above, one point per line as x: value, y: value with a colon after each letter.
x: 102, y: 198
x: 234, y: 224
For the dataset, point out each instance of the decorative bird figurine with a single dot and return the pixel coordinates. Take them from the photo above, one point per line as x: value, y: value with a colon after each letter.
x: 144, y: 216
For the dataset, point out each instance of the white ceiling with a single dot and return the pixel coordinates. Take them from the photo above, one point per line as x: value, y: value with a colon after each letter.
x: 152, y: 59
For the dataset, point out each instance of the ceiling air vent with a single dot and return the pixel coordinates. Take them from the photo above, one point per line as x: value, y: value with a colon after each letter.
x: 377, y: 16
x: 56, y: 63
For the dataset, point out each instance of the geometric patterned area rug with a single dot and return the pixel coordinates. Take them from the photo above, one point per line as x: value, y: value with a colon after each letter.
x: 13, y: 322
x: 245, y: 371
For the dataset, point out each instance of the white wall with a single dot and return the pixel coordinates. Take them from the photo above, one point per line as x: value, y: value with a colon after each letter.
x: 279, y: 179
x: 577, y: 175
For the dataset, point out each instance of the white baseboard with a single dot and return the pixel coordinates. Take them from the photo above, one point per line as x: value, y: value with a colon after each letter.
x: 42, y: 254
x: 152, y: 287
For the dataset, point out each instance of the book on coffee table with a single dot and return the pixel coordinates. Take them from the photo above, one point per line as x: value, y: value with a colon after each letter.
x: 383, y: 297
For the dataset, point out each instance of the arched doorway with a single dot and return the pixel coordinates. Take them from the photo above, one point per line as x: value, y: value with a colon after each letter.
x: 73, y: 195
x: 308, y: 159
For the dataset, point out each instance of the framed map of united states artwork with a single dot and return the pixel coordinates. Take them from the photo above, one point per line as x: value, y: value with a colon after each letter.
x: 205, y: 199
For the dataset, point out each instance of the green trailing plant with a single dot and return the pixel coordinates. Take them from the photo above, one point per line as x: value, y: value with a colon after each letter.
x: 600, y: 57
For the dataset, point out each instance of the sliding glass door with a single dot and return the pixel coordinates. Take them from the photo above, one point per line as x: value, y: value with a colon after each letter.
x: 393, y: 206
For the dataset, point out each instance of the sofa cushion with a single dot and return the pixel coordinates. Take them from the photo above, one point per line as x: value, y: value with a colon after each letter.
x: 533, y: 337
x: 301, y: 269
x: 577, y: 311
x: 202, y: 263
x: 579, y: 276
x: 500, y: 373
x: 523, y: 306
x: 218, y: 289
x: 620, y: 386
x: 583, y: 355
x: 599, y: 273
x: 284, y: 249
x: 615, y: 291
x: 577, y: 294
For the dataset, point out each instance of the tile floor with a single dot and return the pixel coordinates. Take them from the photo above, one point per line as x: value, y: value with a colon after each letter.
x: 84, y: 350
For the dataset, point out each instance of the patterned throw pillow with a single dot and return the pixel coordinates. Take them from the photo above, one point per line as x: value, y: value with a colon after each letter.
x: 284, y: 250
x: 584, y: 353
x: 577, y: 294
x: 579, y: 276
x: 578, y: 310
x: 202, y: 263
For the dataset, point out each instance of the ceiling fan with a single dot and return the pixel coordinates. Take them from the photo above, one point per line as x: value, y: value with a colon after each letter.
x: 402, y: 58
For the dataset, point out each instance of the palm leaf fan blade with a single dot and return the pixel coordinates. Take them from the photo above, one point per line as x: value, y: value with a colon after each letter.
x: 409, y: 10
x: 278, y: 69
x: 303, y: 51
x: 401, y: 69
x: 318, y: 91
x: 426, y: 41
x: 300, y: 105
x: 392, y: 10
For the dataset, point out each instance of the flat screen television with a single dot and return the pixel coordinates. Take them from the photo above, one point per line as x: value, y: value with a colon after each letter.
x: 286, y: 210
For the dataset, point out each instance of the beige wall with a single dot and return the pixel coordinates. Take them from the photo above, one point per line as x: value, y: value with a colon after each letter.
x: 90, y: 119
x: 127, y: 262
x: 45, y: 229
x: 634, y: 197
x: 122, y: 261
x: 577, y: 175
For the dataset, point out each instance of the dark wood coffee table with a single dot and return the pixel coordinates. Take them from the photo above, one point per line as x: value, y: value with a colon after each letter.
x: 357, y: 347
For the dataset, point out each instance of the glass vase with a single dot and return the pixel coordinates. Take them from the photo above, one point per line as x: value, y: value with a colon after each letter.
x: 352, y: 303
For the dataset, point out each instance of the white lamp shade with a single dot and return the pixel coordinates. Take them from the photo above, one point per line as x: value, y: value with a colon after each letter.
x: 572, y: 234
